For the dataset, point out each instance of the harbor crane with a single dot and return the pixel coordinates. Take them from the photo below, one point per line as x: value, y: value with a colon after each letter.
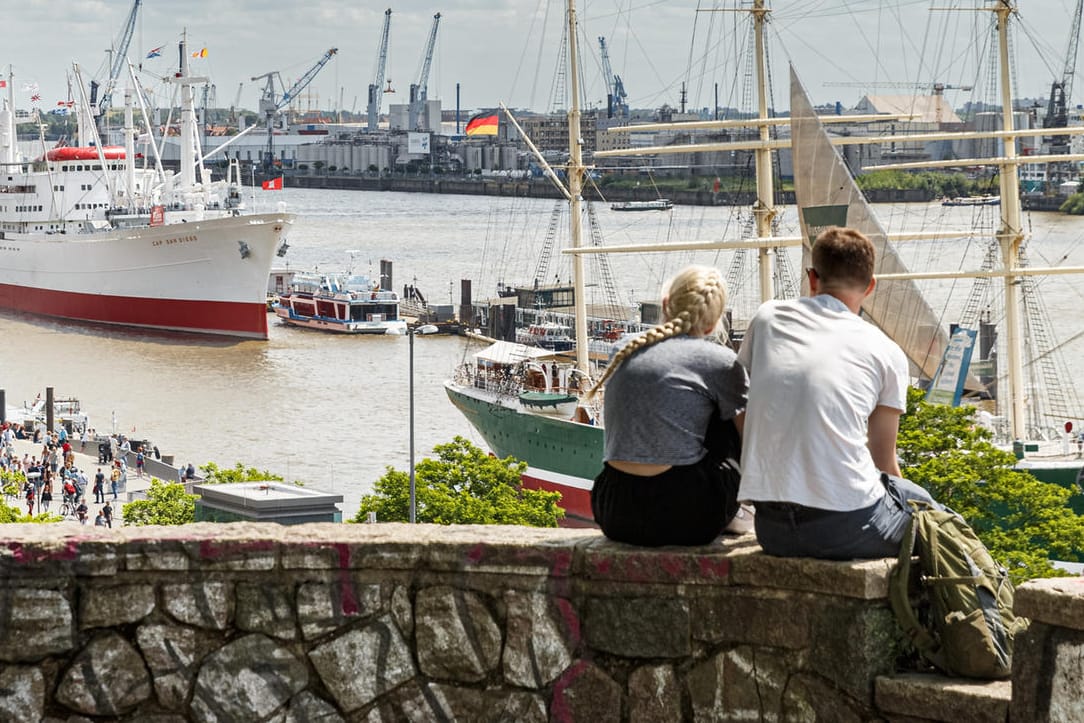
x: 271, y: 103
x: 419, y: 92
x: 615, y: 88
x: 376, y: 90
x: 118, y: 57
x: 1057, y: 106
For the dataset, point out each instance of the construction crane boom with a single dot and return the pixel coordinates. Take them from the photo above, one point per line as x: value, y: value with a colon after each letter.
x: 271, y: 103
x: 376, y: 90
x: 419, y: 92
x: 615, y: 89
x: 119, y: 57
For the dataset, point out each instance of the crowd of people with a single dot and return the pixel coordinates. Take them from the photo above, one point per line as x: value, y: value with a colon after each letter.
x: 812, y: 399
x: 52, y: 473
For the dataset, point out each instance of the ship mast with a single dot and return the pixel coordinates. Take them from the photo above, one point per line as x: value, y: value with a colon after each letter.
x: 575, y: 189
x: 764, y: 211
x: 1010, y: 236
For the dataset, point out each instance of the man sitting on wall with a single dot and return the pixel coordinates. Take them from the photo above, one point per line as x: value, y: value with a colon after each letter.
x: 826, y: 391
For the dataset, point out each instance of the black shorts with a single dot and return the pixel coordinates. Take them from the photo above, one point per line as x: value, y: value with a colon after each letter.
x: 685, y: 505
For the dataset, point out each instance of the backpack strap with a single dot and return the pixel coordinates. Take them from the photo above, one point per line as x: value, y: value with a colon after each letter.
x: 899, y: 597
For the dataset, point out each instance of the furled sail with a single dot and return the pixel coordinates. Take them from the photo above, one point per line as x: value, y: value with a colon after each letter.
x: 827, y: 195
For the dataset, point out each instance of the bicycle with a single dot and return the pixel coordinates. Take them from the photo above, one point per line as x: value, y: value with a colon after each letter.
x: 67, y: 507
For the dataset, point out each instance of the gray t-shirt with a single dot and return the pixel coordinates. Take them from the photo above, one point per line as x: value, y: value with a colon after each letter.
x: 660, y: 400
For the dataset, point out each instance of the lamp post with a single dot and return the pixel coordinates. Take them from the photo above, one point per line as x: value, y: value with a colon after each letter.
x: 413, y: 499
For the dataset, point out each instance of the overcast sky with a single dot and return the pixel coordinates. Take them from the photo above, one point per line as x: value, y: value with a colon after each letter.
x: 506, y: 50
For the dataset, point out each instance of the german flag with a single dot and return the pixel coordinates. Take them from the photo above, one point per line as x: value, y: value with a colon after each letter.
x: 482, y: 124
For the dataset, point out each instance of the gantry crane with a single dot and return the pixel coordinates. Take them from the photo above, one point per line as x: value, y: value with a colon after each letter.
x: 376, y: 90
x: 615, y: 89
x: 118, y: 57
x: 1057, y: 106
x: 271, y: 103
x: 419, y: 92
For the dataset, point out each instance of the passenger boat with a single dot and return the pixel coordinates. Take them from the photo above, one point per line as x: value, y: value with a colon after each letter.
x: 341, y: 303
x: 87, y: 235
x: 659, y: 204
x: 546, y: 335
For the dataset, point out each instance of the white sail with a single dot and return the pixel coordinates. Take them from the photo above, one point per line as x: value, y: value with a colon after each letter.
x: 826, y: 195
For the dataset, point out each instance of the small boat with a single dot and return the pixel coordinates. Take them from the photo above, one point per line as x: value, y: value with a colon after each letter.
x: 547, y: 335
x: 659, y: 204
x: 343, y: 303
x: 972, y: 201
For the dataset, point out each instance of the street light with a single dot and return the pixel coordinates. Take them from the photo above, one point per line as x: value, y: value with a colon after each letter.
x: 413, y: 499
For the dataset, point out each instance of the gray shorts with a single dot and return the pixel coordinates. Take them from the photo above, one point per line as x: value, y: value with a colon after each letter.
x: 785, y: 529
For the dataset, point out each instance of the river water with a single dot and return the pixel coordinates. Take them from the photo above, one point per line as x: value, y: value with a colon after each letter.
x: 333, y: 411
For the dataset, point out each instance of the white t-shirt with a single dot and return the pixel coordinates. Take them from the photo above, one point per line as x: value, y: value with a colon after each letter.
x: 816, y: 373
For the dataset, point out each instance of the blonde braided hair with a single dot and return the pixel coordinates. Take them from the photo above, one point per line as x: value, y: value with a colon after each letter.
x: 693, y: 303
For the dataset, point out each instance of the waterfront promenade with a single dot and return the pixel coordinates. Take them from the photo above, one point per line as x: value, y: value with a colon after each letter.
x: 86, y: 460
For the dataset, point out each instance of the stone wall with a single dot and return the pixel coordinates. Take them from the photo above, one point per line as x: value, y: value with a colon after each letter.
x: 255, y: 622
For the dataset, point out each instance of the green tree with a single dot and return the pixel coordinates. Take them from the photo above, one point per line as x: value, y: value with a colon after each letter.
x: 463, y: 485
x: 215, y: 475
x: 1023, y: 522
x: 10, y: 513
x: 167, y: 504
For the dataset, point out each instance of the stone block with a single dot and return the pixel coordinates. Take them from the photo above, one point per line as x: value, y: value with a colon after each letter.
x: 34, y: 623
x: 639, y: 627
x: 743, y: 683
x: 586, y: 693
x: 1048, y: 672
x: 203, y: 604
x: 49, y: 551
x: 326, y: 606
x: 854, y: 643
x: 106, y: 606
x: 607, y: 561
x: 542, y: 633
x: 814, y: 698
x: 654, y: 694
x: 362, y: 664
x: 307, y: 707
x: 247, y: 679
x: 1055, y: 601
x: 106, y: 678
x: 266, y: 609
x: 760, y: 617
x: 936, y: 697
x: 22, y: 693
x: 333, y: 546
x: 457, y: 638
x: 402, y: 609
x: 861, y: 579
x: 173, y: 653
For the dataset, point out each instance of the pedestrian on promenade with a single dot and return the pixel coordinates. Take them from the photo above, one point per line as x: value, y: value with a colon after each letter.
x: 139, y: 462
x: 99, y: 487
x: 46, y: 497
x: 30, y: 498
x: 115, y: 479
x: 99, y: 519
x: 108, y: 512
x: 83, y: 440
x: 81, y: 513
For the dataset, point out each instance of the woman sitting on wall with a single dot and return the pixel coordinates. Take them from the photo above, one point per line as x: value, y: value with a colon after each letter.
x: 672, y: 398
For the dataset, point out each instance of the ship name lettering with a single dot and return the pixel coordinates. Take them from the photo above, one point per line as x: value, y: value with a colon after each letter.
x: 171, y: 241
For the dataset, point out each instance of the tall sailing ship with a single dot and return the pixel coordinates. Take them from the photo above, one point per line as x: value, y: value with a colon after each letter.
x: 88, y: 235
x: 564, y: 451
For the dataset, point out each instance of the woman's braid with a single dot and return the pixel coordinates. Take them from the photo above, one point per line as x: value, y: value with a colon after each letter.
x: 694, y: 301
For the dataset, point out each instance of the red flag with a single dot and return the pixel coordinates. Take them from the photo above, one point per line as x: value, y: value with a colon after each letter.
x: 275, y: 184
x: 483, y: 124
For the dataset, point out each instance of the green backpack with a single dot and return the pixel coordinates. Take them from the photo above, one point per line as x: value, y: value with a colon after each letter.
x: 970, y: 626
